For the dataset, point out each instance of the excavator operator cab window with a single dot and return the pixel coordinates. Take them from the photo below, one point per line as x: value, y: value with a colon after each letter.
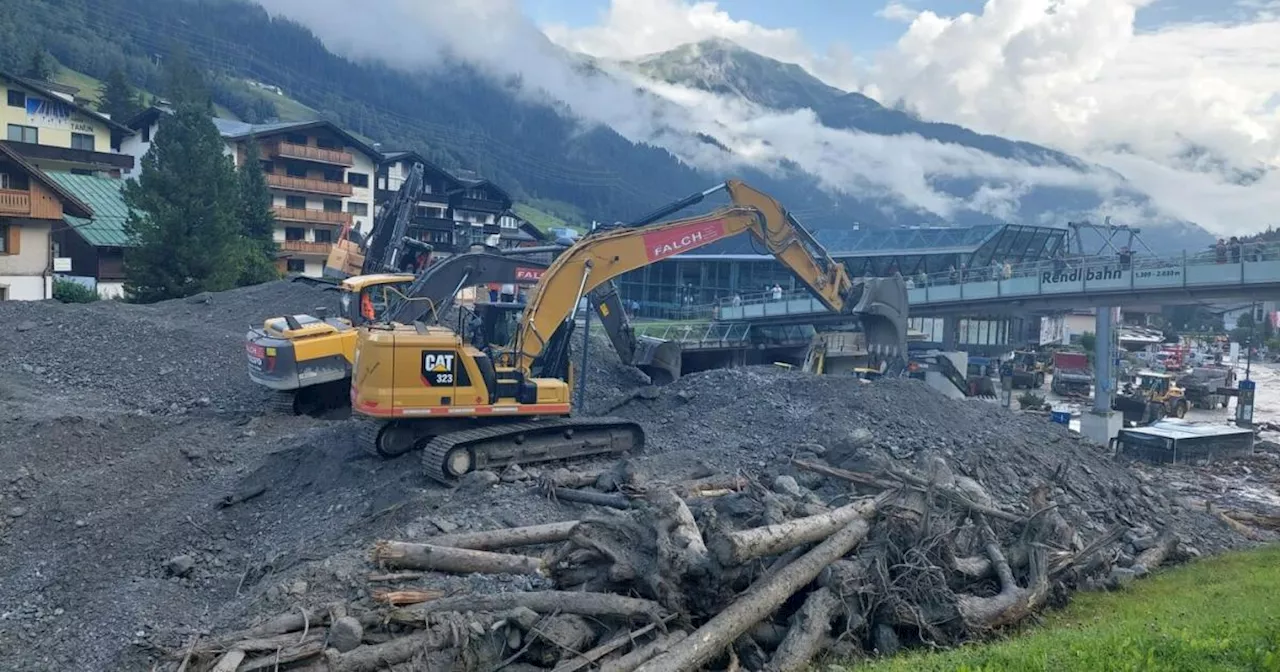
x: 372, y: 302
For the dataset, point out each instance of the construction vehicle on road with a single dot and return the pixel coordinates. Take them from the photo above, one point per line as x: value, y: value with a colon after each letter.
x: 1028, y: 371
x: 1209, y: 387
x: 425, y: 387
x: 1153, y: 396
x: 1072, y: 375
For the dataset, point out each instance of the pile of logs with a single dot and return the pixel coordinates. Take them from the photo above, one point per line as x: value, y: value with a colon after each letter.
x: 717, y: 573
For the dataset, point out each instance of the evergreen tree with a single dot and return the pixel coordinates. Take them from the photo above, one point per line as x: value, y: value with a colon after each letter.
x: 117, y: 99
x: 40, y: 66
x: 257, y: 222
x: 185, y: 203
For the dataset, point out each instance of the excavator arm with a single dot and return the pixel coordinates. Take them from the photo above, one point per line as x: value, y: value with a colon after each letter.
x: 601, y: 257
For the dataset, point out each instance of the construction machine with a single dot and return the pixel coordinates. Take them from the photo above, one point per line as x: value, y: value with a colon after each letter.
x: 1153, y: 396
x: 426, y: 386
x: 387, y: 248
x: 1028, y: 371
x: 1072, y: 375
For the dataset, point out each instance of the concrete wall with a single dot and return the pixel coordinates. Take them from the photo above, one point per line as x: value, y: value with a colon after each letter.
x: 55, y: 119
x: 135, y: 147
x: 22, y: 275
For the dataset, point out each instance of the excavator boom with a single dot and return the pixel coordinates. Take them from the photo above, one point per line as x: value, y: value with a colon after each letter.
x: 599, y: 258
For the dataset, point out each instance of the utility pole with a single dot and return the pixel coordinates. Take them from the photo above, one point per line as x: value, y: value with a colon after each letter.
x: 1244, y: 402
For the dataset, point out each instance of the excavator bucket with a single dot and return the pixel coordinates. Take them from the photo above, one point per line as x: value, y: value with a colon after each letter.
x: 881, y: 305
x: 658, y: 358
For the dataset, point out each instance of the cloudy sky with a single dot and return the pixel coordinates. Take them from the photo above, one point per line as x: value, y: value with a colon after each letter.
x: 1180, y: 96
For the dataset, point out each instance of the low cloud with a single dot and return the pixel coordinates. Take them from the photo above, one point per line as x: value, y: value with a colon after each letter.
x: 415, y: 36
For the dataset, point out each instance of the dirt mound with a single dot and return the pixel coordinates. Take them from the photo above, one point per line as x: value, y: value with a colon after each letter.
x: 162, y: 357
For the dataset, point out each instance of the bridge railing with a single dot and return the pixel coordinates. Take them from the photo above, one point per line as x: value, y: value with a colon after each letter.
x: 1240, y: 264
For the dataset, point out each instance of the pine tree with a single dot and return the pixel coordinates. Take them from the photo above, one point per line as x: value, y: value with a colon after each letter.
x: 185, y: 202
x: 257, y: 222
x: 117, y: 99
x: 40, y: 66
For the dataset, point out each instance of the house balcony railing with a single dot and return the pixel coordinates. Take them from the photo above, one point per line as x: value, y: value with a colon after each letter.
x: 336, y: 157
x: 312, y: 216
x: 15, y: 202
x: 305, y: 247
x: 307, y: 185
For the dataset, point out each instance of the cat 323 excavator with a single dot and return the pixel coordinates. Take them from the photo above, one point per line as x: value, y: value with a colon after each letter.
x: 425, y: 386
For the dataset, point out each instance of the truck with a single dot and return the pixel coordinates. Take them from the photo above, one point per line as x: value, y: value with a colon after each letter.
x: 1072, y: 375
x: 1208, y: 386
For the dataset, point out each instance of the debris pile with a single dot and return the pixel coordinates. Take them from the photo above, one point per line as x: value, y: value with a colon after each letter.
x: 163, y: 358
x: 776, y: 517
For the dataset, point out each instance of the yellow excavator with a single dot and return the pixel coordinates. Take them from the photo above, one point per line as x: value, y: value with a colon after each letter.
x: 467, y: 408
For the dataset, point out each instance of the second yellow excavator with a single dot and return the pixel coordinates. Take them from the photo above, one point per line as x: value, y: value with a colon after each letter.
x: 425, y: 386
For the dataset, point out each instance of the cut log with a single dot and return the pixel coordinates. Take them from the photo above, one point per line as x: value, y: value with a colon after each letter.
x: 809, y: 629
x: 681, y: 528
x: 278, y: 625
x: 559, y: 637
x: 285, y: 656
x: 278, y: 642
x: 1156, y: 555
x: 542, y: 601
x: 644, y: 654
x: 229, y: 661
x: 511, y: 537
x: 736, y: 548
x: 565, y: 478
x: 950, y: 494
x: 380, y: 656
x: 758, y: 602
x: 1263, y: 521
x: 587, y: 497
x: 590, y: 657
x: 407, y: 555
x: 698, y: 487
x: 398, y: 598
x: 396, y: 576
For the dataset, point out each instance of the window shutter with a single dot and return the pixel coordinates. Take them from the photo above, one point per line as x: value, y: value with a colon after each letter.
x: 15, y: 237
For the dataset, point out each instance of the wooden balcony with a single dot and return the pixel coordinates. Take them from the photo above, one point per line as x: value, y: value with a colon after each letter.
x: 284, y: 214
x: 333, y: 157
x: 306, y: 248
x: 14, y: 202
x: 309, y: 186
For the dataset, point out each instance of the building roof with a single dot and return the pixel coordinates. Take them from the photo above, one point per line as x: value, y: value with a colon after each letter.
x: 409, y: 155
x: 106, y: 226
x: 46, y: 91
x: 237, y: 130
x: 70, y: 202
x: 146, y: 117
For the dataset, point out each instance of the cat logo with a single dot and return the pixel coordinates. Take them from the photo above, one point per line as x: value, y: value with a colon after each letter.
x: 437, y: 368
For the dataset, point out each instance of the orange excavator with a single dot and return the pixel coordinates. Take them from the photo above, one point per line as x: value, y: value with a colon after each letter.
x: 426, y: 387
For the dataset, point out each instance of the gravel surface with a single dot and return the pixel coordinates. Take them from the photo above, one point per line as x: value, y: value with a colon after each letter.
x: 126, y: 430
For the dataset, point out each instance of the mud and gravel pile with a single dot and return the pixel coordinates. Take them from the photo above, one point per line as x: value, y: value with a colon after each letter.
x: 140, y: 523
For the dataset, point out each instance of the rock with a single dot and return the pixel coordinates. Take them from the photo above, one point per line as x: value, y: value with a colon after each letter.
x: 443, y: 524
x: 816, y: 449
x: 1121, y: 578
x: 1143, y: 543
x: 649, y: 392
x: 513, y: 473
x: 345, y: 634
x: 180, y: 565
x: 17, y: 511
x: 26, y: 325
x: 886, y: 641
x: 202, y: 297
x: 478, y: 480
x: 787, y: 485
x: 298, y: 587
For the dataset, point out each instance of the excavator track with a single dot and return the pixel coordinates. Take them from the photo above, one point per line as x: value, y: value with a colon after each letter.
x: 448, y: 456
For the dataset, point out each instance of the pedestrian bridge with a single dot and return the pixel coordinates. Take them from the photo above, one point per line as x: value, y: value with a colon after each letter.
x: 1049, y: 286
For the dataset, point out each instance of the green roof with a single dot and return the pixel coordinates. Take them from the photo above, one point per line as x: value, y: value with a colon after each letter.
x: 104, y: 195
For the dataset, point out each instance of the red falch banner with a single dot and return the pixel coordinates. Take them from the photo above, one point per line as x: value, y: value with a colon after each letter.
x: 663, y: 244
x: 528, y: 274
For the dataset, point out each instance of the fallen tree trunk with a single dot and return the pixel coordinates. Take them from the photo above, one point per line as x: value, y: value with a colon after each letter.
x: 284, y: 656
x: 736, y: 548
x: 229, y: 661
x: 681, y: 528
x: 511, y: 537
x: 950, y: 494
x: 398, y: 598
x: 406, y: 555
x: 642, y: 655
x: 542, y: 602
x: 590, y: 657
x: 378, y: 656
x: 1013, y: 603
x: 758, y: 602
x: 1156, y: 555
x: 597, y: 498
x: 696, y: 487
x: 808, y: 633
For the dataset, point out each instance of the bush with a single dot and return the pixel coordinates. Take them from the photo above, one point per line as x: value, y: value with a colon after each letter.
x: 67, y: 291
x: 1030, y: 401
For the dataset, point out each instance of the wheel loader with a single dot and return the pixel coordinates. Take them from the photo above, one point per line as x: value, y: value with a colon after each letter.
x: 422, y: 386
x: 1153, y: 396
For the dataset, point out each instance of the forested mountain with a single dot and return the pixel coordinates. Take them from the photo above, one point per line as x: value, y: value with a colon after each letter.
x: 462, y: 119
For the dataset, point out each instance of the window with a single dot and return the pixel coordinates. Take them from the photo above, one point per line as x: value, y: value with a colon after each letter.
x: 293, y: 170
x: 24, y: 134
x: 333, y: 174
x: 295, y: 266
x: 146, y: 133
x: 323, y: 235
x: 475, y: 194
x: 268, y: 167
x: 4, y: 181
x: 358, y: 209
x: 296, y: 139
x: 382, y: 182
x: 4, y: 239
x: 82, y: 141
x: 332, y: 205
x: 324, y: 143
x: 358, y: 180
x: 295, y: 202
x: 294, y: 233
x: 17, y: 98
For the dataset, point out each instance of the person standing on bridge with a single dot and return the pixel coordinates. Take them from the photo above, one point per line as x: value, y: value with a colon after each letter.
x: 776, y: 292
x: 1235, y: 250
x: 1220, y: 252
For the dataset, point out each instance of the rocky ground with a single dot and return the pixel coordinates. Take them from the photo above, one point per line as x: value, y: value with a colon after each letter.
x: 146, y: 497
